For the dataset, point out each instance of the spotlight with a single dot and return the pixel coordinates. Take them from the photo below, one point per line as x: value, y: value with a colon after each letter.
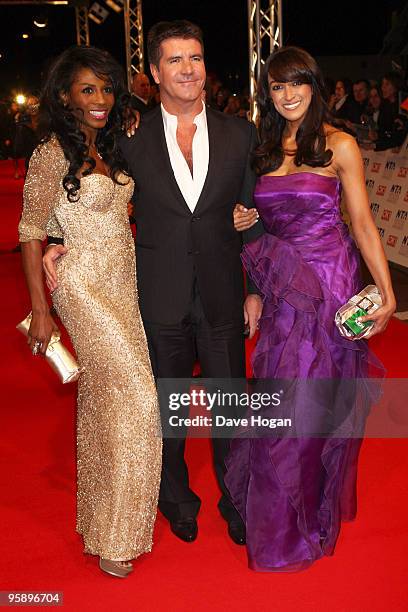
x: 20, y: 99
x: 25, y: 36
x: 115, y: 5
x: 97, y: 13
x: 40, y: 21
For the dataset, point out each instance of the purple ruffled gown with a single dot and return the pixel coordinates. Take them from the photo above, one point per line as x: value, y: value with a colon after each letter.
x: 292, y: 492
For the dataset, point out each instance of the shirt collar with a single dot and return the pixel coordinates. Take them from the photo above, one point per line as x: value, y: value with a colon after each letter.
x: 145, y: 102
x: 171, y: 120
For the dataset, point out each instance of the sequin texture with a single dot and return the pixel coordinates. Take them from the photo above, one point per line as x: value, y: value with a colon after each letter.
x: 118, y: 425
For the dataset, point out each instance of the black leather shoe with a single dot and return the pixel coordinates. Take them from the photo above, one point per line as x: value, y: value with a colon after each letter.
x: 237, y: 533
x: 185, y: 529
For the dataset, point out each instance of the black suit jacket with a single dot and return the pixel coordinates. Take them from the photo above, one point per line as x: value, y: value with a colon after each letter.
x: 174, y: 246
x: 138, y: 105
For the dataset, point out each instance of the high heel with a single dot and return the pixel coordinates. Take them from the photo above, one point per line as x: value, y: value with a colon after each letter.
x: 114, y: 568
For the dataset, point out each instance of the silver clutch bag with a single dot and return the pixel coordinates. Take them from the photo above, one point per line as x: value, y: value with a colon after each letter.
x: 59, y: 357
x: 347, y: 318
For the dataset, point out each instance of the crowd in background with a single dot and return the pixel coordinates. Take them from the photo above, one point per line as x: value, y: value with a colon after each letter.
x: 369, y: 110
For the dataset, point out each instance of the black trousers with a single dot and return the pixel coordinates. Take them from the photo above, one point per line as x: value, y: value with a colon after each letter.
x: 173, y: 352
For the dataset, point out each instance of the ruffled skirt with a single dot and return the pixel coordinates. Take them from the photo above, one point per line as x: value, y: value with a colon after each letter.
x: 294, y: 491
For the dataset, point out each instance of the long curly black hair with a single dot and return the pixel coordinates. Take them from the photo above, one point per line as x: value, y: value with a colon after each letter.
x: 285, y: 65
x: 56, y: 117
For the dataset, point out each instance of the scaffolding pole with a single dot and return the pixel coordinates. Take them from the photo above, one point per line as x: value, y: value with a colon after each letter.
x: 264, y: 35
x: 82, y: 25
x: 81, y: 14
x: 133, y: 38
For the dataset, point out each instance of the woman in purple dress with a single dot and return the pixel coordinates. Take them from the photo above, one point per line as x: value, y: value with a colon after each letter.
x: 293, y: 492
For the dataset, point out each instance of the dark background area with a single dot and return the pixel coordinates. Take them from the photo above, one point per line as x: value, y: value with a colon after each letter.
x: 324, y: 28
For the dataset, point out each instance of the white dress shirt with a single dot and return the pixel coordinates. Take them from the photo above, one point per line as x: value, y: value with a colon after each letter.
x: 340, y: 102
x: 190, y: 186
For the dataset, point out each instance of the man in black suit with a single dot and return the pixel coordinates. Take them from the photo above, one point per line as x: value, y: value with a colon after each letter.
x: 190, y: 165
x: 361, y: 90
x: 140, y: 98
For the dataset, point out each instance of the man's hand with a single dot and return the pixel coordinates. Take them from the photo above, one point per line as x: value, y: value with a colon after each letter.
x: 252, y: 312
x: 50, y: 257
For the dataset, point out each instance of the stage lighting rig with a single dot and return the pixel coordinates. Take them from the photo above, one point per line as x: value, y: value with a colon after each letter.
x: 97, y: 13
x: 115, y: 5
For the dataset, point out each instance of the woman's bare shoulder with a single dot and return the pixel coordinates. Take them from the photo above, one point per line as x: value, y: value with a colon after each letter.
x: 345, y: 149
x: 336, y: 138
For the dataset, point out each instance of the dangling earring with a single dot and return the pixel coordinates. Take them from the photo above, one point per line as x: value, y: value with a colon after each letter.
x: 63, y: 98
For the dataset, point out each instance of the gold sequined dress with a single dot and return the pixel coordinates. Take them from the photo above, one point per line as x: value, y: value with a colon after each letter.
x: 119, y: 444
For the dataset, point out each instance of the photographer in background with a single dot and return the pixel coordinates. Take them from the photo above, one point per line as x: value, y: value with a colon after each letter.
x: 25, y: 139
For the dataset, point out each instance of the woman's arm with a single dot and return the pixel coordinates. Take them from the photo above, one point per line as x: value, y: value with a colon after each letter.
x: 348, y: 163
x: 42, y: 324
x: 45, y: 173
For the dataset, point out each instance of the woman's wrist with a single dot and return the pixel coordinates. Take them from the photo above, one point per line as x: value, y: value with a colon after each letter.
x: 388, y: 298
x: 40, y: 309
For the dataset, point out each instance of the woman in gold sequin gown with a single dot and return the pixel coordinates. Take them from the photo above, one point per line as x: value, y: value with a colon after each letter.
x: 76, y: 189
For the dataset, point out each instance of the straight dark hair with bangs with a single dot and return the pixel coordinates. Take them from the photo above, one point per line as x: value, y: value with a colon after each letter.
x: 285, y: 65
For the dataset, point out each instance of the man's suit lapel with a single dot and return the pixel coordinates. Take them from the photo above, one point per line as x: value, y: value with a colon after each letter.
x: 217, y: 149
x: 160, y: 155
x: 217, y: 146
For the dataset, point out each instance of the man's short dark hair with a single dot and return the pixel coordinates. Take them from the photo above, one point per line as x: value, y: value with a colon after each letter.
x: 364, y: 81
x: 170, y: 29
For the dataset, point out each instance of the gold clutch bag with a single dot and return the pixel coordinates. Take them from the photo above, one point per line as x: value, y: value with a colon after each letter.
x: 59, y: 357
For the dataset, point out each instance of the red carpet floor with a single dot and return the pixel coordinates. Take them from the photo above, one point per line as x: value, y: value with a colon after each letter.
x: 40, y: 550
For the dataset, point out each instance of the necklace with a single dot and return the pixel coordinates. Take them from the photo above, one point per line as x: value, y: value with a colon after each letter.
x: 93, y: 146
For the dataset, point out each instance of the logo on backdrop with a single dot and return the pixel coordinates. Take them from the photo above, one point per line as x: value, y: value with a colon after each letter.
x: 375, y: 167
x: 386, y: 216
x: 381, y: 189
x: 402, y: 172
x: 392, y: 240
x: 381, y: 231
x: 389, y: 169
x: 400, y: 219
x: 395, y: 192
x: 374, y: 208
x: 369, y: 184
x: 404, y: 247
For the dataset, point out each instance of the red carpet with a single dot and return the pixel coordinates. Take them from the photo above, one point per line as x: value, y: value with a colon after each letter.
x: 40, y: 550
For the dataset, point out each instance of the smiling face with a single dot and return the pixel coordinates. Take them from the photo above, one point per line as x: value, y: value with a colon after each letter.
x: 181, y: 71
x: 291, y: 100
x: 91, y: 100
